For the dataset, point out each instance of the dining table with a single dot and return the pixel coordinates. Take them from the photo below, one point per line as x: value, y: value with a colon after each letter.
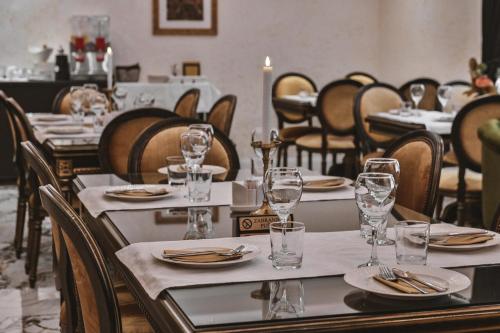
x: 243, y: 304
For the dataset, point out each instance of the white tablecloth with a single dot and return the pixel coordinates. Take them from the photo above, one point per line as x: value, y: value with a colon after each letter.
x: 430, y: 119
x: 325, y: 254
x: 88, y: 133
x: 167, y: 94
x: 96, y: 202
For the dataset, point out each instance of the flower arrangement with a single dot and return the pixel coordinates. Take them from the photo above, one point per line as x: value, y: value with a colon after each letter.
x: 481, y: 83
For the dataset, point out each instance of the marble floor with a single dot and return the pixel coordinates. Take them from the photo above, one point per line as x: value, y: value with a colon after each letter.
x: 23, y: 309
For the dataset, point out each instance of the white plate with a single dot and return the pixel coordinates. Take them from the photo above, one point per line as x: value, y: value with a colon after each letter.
x: 312, y: 188
x: 135, y: 198
x: 64, y: 130
x: 216, y: 170
x: 50, y: 117
x: 246, y: 257
x: 494, y: 242
x: 362, y: 278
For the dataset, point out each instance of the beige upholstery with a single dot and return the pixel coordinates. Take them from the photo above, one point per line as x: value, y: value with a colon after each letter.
x: 292, y: 85
x: 291, y: 133
x: 449, y: 181
x: 375, y: 100
x: 337, y: 106
x: 450, y: 158
x: 313, y: 141
x: 65, y: 105
x: 429, y: 100
x: 363, y: 79
x: 221, y: 114
x: 373, y: 154
x: 187, y: 104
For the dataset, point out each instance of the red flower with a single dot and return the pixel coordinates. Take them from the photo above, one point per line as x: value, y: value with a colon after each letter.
x: 483, y: 82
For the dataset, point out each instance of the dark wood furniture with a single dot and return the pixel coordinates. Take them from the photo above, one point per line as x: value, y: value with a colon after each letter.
x: 222, y: 112
x: 429, y: 101
x: 361, y: 77
x: 188, y: 103
x: 331, y: 305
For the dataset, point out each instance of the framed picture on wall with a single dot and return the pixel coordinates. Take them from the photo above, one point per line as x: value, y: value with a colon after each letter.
x: 185, y: 17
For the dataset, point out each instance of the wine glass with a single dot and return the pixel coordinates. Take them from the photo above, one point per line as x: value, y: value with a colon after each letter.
x: 119, y: 97
x: 76, y: 94
x: 194, y: 146
x: 372, y: 191
x: 417, y: 91
x: 283, y: 189
x: 98, y: 107
x: 444, y: 95
x: 384, y: 165
x: 207, y: 128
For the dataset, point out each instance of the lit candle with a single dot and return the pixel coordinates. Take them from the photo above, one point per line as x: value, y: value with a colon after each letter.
x: 266, y: 101
x: 109, y: 66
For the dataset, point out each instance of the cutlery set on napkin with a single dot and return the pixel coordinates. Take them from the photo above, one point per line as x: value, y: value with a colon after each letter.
x: 461, y: 238
x: 407, y: 282
x: 205, y: 255
x: 138, y: 192
x: 325, y: 182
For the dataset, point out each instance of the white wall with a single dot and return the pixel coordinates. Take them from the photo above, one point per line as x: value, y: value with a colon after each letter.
x: 394, y: 39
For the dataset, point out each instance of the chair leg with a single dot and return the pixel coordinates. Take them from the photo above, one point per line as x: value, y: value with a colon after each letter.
x: 299, y: 157
x: 439, y: 206
x: 34, y: 244
x: 323, y: 162
x: 20, y: 221
x: 461, y: 197
x: 285, y: 156
x: 280, y: 152
x: 310, y: 160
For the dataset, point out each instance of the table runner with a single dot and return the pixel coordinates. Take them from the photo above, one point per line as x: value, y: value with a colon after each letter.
x: 221, y: 195
x: 426, y: 118
x: 325, y: 254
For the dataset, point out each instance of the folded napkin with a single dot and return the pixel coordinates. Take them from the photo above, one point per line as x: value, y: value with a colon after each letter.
x: 139, y: 192
x: 462, y: 240
x: 403, y: 287
x: 202, y: 258
x: 325, y: 182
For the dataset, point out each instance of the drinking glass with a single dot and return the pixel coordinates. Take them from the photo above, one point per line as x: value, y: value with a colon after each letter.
x: 372, y: 191
x: 199, y: 182
x: 412, y: 240
x: 287, y: 244
x: 405, y: 109
x: 194, y: 146
x: 177, y: 170
x: 76, y: 94
x: 208, y: 129
x: 283, y: 189
x: 257, y: 136
x: 444, y: 95
x: 286, y: 299
x: 417, y: 91
x: 384, y: 165
x: 200, y: 224
x: 98, y: 107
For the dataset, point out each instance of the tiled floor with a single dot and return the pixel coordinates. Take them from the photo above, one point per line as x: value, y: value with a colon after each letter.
x: 23, y: 309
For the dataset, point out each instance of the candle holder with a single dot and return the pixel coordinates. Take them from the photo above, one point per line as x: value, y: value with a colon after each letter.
x: 265, y: 150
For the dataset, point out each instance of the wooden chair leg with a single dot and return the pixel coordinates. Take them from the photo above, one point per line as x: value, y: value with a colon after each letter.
x: 20, y: 221
x: 461, y: 197
x: 299, y: 157
x: 310, y: 160
x: 285, y: 156
x: 323, y: 162
x: 280, y: 152
x: 439, y: 206
x: 33, y: 251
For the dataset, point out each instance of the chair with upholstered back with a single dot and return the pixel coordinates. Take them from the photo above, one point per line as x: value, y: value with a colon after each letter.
x: 119, y: 135
x: 291, y: 83
x: 335, y: 109
x: 187, y: 104
x: 222, y: 112
x: 419, y: 177
x: 62, y: 102
x: 129, y: 73
x: 429, y: 101
x: 362, y: 77
x: 372, y: 99
x: 98, y: 302
x: 163, y: 139
x: 466, y: 186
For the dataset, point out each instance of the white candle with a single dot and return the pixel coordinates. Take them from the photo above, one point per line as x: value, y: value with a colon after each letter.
x: 109, y: 66
x: 266, y: 101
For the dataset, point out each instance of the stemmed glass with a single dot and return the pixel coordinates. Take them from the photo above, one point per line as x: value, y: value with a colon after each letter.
x: 98, y: 107
x: 76, y: 94
x: 444, y: 95
x: 372, y: 191
x: 119, y: 97
x: 283, y: 189
x: 194, y: 146
x: 207, y: 128
x: 417, y: 91
x: 390, y: 166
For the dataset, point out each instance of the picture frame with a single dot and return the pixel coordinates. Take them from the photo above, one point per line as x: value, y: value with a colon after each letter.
x: 185, y: 17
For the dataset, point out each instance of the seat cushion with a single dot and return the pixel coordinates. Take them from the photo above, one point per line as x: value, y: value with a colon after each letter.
x: 290, y: 134
x: 450, y: 158
x: 449, y: 180
x: 313, y: 141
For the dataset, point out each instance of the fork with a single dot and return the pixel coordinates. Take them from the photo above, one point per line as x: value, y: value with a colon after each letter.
x: 387, y: 274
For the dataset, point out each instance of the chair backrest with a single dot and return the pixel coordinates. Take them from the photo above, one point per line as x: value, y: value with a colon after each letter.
x: 62, y: 102
x: 419, y: 179
x: 430, y: 101
x: 466, y: 143
x: 291, y: 84
x: 11, y: 124
x: 459, y: 97
x: 187, y: 104
x: 119, y: 135
x: 222, y: 112
x: 97, y: 299
x: 362, y: 77
x: 130, y: 73
x: 372, y: 99
x: 163, y: 139
x: 335, y: 105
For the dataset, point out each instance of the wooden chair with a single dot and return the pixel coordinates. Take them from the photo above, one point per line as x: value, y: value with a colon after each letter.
x: 222, y: 112
x: 62, y: 102
x: 187, y: 104
x: 291, y: 83
x: 429, y: 101
x: 130, y: 73
x: 119, y: 135
x: 98, y: 302
x: 334, y: 107
x: 467, y: 147
x: 163, y: 139
x: 419, y: 177
x: 362, y: 77
x: 372, y: 99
